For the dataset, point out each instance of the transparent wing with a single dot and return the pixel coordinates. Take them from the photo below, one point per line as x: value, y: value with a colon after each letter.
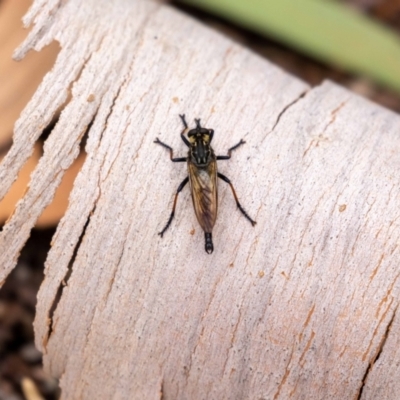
x: 203, y: 183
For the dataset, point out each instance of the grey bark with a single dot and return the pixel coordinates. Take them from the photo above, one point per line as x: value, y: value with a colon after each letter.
x: 301, y: 306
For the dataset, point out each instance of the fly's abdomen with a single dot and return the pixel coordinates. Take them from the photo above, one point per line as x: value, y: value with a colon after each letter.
x: 203, y: 183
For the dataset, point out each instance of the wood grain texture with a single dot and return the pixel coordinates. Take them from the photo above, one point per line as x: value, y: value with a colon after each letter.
x: 302, y: 306
x: 18, y: 81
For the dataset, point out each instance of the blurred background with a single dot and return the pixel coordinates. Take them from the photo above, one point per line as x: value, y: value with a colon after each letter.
x: 352, y: 42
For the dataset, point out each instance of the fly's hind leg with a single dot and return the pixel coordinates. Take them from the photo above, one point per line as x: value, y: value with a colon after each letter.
x: 171, y: 217
x: 224, y: 178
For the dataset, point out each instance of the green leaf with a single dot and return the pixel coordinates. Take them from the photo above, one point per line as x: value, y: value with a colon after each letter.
x: 326, y: 30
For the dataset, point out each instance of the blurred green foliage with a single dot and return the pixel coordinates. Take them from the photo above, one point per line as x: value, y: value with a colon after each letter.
x: 327, y: 30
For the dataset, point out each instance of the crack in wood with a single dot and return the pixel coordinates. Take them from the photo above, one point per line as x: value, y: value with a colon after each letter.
x: 233, y: 340
x: 286, y: 108
x: 285, y: 376
x: 334, y: 114
x: 162, y: 389
x: 62, y: 285
x: 64, y: 281
x: 377, y: 355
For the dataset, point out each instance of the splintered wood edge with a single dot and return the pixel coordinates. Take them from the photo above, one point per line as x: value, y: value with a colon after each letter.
x: 290, y: 293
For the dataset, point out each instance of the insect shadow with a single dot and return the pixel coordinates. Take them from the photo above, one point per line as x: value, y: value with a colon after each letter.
x: 203, y: 174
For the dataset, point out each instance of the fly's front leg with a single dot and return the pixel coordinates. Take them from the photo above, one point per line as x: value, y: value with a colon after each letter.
x: 171, y: 152
x: 171, y: 217
x: 224, y: 178
x: 182, y: 116
x: 230, y: 151
x: 185, y: 128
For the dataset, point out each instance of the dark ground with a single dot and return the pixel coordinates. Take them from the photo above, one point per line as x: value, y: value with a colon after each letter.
x: 18, y: 356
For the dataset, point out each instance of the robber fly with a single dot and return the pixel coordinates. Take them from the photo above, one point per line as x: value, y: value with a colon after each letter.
x: 202, y: 168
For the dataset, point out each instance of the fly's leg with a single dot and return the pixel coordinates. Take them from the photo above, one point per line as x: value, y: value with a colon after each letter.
x: 171, y: 217
x: 224, y: 178
x: 171, y: 152
x: 185, y: 128
x: 182, y: 116
x: 230, y: 151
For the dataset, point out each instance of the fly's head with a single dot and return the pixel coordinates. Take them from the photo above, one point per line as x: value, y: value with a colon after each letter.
x: 201, y: 152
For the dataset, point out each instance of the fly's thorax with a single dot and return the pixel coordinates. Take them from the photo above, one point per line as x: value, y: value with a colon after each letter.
x: 201, y: 153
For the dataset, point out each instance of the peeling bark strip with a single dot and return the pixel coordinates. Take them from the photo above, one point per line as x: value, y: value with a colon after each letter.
x: 301, y: 306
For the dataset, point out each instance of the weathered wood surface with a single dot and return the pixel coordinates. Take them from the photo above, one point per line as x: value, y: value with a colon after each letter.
x: 302, y: 306
x: 18, y: 81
